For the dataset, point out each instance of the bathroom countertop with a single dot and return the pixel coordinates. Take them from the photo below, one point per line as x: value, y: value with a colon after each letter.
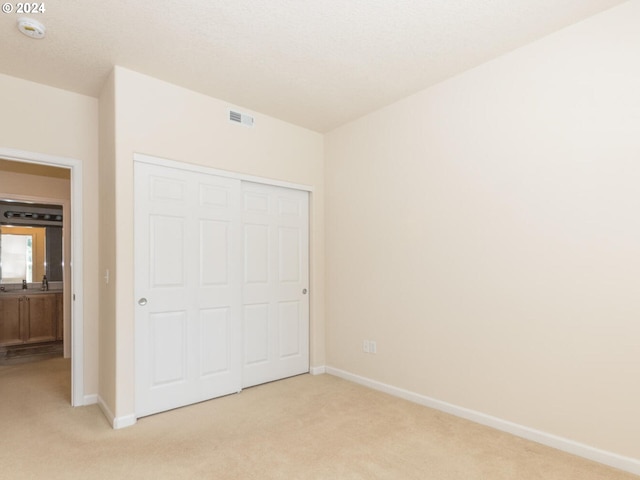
x: 29, y: 291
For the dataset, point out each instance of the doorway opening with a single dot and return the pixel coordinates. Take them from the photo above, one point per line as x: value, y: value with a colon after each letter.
x: 35, y: 311
x: 72, y: 226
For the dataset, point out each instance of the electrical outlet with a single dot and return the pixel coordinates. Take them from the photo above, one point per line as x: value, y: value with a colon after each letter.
x: 369, y: 346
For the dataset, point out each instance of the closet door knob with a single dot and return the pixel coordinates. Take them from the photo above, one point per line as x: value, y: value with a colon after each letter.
x: 142, y: 302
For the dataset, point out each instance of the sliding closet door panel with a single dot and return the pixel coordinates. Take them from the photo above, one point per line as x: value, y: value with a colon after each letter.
x: 187, y: 276
x: 275, y: 284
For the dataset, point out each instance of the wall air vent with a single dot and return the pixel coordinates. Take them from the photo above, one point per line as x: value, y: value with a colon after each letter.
x: 241, y: 118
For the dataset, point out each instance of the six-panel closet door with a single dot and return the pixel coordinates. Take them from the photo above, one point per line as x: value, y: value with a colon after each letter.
x: 187, y: 270
x: 221, y: 272
x: 275, y: 225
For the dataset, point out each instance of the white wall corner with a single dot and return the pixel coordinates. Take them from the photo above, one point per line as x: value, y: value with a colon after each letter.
x: 627, y: 464
x: 318, y: 370
x: 106, y: 411
x: 116, y: 422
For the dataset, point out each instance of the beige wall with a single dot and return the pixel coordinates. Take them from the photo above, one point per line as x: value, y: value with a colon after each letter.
x: 64, y: 124
x: 18, y: 179
x: 485, y: 233
x: 107, y: 235
x: 157, y: 118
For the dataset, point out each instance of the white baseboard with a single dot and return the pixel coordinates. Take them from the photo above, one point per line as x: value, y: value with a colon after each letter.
x: 91, y: 399
x: 627, y: 464
x: 116, y: 422
x: 318, y: 370
x: 125, y: 421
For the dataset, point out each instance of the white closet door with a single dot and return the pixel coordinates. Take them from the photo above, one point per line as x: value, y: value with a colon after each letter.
x: 275, y: 224
x: 187, y: 275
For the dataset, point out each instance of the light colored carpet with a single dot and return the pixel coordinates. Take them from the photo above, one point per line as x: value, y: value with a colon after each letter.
x: 304, y: 427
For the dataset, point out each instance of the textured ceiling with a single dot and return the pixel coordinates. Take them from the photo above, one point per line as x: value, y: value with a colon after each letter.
x: 315, y: 63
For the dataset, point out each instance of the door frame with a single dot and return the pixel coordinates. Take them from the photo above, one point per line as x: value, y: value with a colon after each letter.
x: 78, y: 397
x: 192, y: 167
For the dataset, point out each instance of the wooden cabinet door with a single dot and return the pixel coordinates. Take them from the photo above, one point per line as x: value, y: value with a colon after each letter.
x: 10, y: 320
x: 41, y: 318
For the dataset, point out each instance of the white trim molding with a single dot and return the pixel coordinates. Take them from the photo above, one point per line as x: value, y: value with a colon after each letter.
x: 125, y: 421
x: 631, y: 465
x: 191, y: 167
x: 116, y: 422
x: 318, y: 370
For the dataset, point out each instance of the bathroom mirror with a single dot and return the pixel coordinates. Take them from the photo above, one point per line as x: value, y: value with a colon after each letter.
x: 30, y: 245
x: 28, y: 253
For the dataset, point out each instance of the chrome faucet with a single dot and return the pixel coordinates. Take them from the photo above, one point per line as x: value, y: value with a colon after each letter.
x: 24, y: 284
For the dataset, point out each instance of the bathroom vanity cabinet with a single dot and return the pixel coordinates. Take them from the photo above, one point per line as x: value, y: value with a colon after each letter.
x: 30, y: 317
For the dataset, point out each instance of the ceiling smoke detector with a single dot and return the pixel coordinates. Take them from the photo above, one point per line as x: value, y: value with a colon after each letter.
x: 31, y: 28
